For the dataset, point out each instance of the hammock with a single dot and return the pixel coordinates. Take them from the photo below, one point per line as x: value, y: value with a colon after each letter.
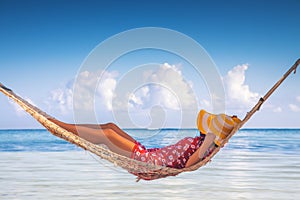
x: 142, y: 170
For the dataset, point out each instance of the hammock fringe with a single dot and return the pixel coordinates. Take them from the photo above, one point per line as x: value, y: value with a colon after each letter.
x: 142, y: 170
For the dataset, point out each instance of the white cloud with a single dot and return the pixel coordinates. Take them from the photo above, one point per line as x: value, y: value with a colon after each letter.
x: 20, y: 111
x: 155, y: 95
x: 294, y: 108
x: 240, y: 98
x: 61, y: 99
x: 277, y: 109
x: 167, y: 100
x: 238, y: 93
x: 205, y: 104
x: 87, y: 88
x: 169, y: 89
x: 273, y: 108
x: 89, y: 85
x: 106, y: 88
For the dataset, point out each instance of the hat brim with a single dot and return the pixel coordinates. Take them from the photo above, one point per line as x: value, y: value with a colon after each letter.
x: 220, y: 125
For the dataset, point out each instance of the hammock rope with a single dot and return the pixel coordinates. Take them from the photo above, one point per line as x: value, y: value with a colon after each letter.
x: 142, y: 170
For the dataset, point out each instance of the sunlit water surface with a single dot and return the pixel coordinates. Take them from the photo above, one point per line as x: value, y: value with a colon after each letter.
x: 256, y: 164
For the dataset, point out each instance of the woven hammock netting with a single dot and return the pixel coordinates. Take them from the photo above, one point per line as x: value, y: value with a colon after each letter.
x: 142, y: 170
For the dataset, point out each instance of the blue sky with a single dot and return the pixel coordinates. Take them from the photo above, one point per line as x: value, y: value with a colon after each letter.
x: 44, y: 43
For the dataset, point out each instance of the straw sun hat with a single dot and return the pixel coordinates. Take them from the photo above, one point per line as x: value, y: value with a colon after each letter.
x: 220, y: 125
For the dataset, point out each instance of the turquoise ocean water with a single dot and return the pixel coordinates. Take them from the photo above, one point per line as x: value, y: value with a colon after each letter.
x: 255, y: 164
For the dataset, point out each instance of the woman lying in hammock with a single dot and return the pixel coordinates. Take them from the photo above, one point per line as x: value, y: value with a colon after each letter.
x: 186, y: 152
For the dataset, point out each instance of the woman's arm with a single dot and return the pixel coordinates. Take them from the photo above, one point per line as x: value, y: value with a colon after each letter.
x: 198, y: 155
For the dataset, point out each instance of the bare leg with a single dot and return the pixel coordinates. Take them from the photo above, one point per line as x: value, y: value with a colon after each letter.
x: 113, y: 140
x: 109, y: 126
